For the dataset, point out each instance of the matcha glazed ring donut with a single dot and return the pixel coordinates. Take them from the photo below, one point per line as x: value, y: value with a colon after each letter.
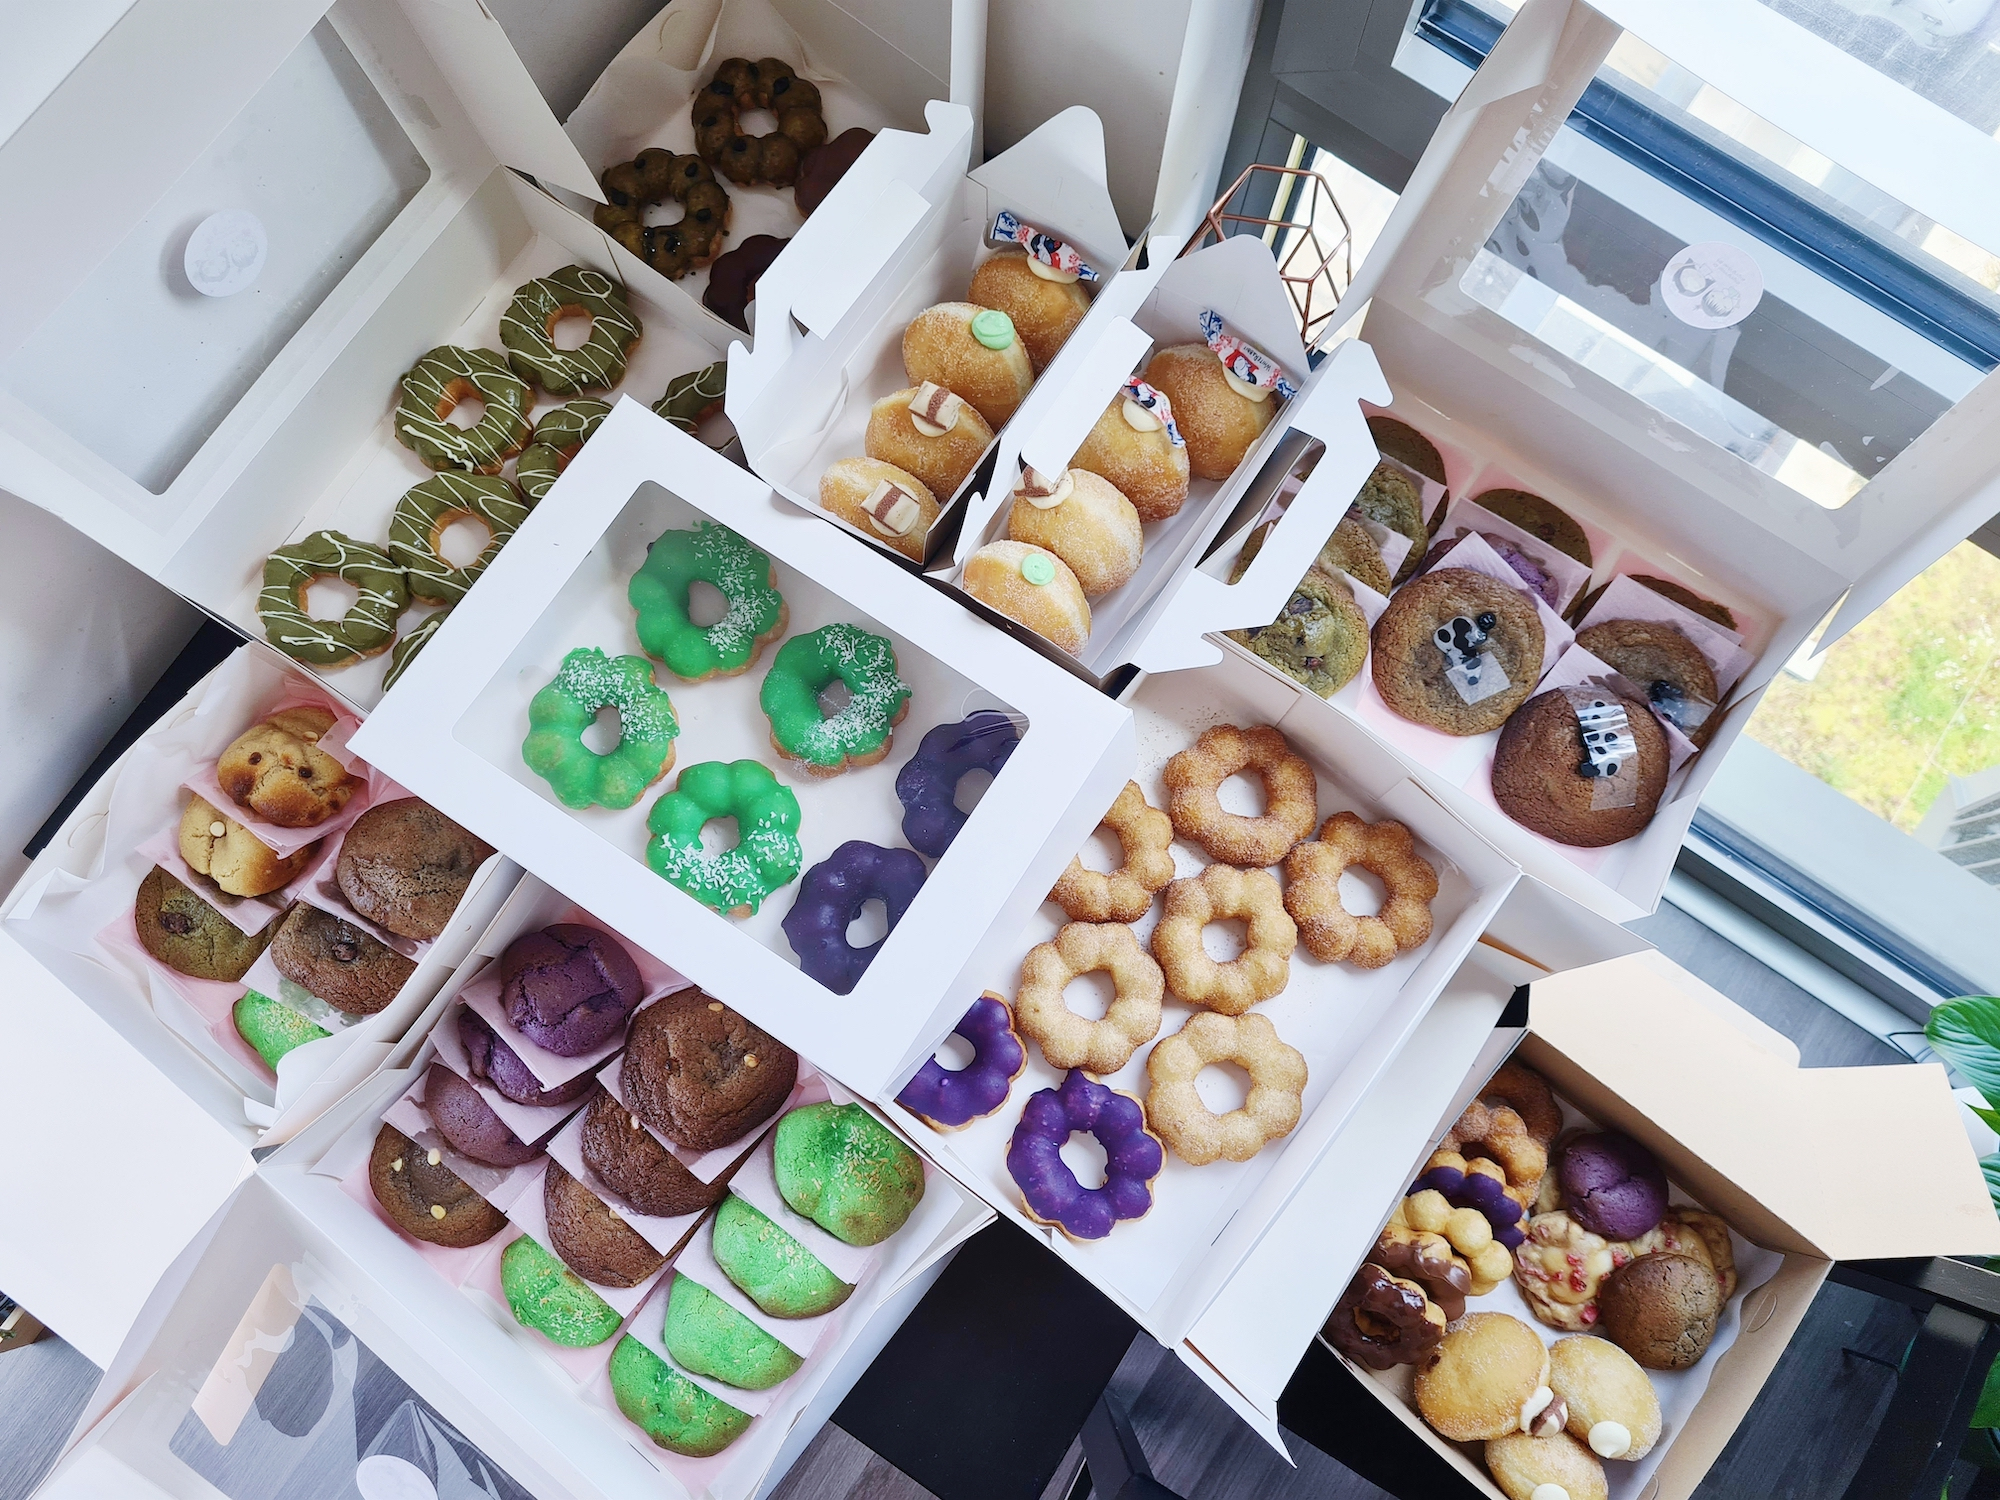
x: 408, y: 647
x: 693, y: 398
x: 428, y: 509
x: 528, y: 329
x: 559, y: 436
x: 717, y: 556
x: 558, y: 715
x: 767, y: 853
x: 860, y: 733
x: 367, y: 628
x: 652, y: 177
x: 432, y: 390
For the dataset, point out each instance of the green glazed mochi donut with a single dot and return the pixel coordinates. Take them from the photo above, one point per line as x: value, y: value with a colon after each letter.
x: 426, y: 511
x: 559, y: 714
x: 669, y: 1408
x: 706, y: 1336
x: 771, y: 1268
x: 368, y: 627
x: 558, y: 437
x: 273, y: 1027
x: 860, y: 733
x: 432, y: 390
x: 841, y: 1168
x: 693, y: 398
x: 408, y: 647
x: 528, y: 329
x: 550, y: 1298
x: 767, y: 853
x: 715, y: 555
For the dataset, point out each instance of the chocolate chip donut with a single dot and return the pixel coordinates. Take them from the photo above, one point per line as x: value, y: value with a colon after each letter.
x: 405, y: 866
x: 653, y: 177
x: 1438, y: 645
x: 627, y: 1158
x: 767, y: 84
x: 188, y: 935
x: 337, y: 961
x: 592, y: 1240
x: 426, y: 1199
x: 702, y: 1075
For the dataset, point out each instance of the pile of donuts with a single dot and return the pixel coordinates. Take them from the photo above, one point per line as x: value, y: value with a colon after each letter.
x: 470, y: 482
x: 1580, y: 1220
x: 796, y: 156
x: 806, y: 738
x: 1461, y: 652
x: 1238, y: 885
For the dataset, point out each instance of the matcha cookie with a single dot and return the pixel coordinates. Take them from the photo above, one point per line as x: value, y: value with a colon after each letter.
x: 188, y: 935
x: 272, y: 1027
x: 1320, y: 637
x: 706, y: 1336
x: 669, y: 1408
x: 1539, y: 518
x: 1457, y: 651
x: 1351, y: 550
x: 1391, y: 498
x: 841, y: 1168
x: 550, y: 1298
x: 771, y: 1268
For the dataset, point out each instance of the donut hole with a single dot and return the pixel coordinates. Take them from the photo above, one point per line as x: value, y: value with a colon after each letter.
x: 833, y: 698
x: 1090, y: 995
x: 463, y: 540
x: 468, y: 412
x: 756, y: 122
x: 571, y: 330
x: 660, y: 215
x: 1084, y: 1156
x: 1242, y: 794
x: 971, y: 787
x: 602, y: 734
x: 707, y: 604
x: 1225, y: 938
x: 330, y: 598
x: 870, y: 924
x: 1223, y: 1086
x: 1102, y: 851
x: 955, y: 1055
x: 1362, y: 891
x: 718, y: 836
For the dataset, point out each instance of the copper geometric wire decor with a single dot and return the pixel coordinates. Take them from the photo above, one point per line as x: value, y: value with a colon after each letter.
x: 1314, y: 275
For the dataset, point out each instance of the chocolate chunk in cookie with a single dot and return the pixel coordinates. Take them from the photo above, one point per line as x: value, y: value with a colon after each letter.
x: 187, y: 934
x: 426, y: 1199
x: 1457, y: 651
x: 700, y: 1074
x: 278, y: 770
x: 592, y: 1240
x: 405, y: 866
x: 337, y: 961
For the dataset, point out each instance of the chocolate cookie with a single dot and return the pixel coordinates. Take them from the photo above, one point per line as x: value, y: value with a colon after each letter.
x: 492, y: 1061
x: 1676, y: 677
x: 1390, y: 498
x: 1540, y: 778
x: 468, y: 1121
x: 337, y: 961
x: 1661, y: 1309
x: 732, y: 280
x: 592, y: 1240
x: 405, y: 866
x: 187, y: 934
x: 823, y: 166
x: 568, y: 988
x: 278, y: 771
x: 426, y: 1199
x: 1402, y: 442
x: 1452, y: 636
x: 628, y: 1160
x: 700, y: 1074
x: 1686, y: 598
x: 1539, y: 517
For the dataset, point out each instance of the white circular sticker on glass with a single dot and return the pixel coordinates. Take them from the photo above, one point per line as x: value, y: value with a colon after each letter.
x: 1712, y: 285
x: 225, y: 253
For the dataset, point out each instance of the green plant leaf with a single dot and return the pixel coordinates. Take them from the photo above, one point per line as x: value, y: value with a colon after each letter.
x: 1990, y: 1116
x: 1990, y: 1165
x: 1987, y: 1412
x: 1966, y: 1033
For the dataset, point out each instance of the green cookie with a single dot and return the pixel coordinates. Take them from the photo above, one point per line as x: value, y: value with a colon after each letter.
x: 550, y: 1298
x: 840, y: 1168
x: 1389, y: 498
x: 771, y: 1268
x: 707, y: 1336
x: 271, y: 1027
x: 668, y: 1407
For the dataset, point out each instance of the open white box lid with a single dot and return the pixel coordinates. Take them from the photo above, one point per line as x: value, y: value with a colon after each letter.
x: 156, y: 1164
x: 1938, y: 490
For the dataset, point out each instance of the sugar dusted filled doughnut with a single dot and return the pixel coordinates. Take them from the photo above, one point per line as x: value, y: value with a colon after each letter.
x: 1133, y: 1157
x: 1033, y: 586
x: 1218, y: 894
x: 974, y: 353
x: 880, y: 500
x: 1126, y: 894
x: 1044, y: 309
x: 1137, y: 445
x: 1131, y: 1020
x: 1197, y: 1134
x: 1475, y: 1384
x: 1083, y: 519
x: 929, y: 433
x: 1291, y: 795
x: 1333, y: 934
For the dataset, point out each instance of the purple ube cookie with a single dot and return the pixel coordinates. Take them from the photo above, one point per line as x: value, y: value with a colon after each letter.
x: 1529, y: 571
x: 468, y: 1121
x: 946, y: 1099
x: 568, y: 988
x: 1613, y: 1185
x: 493, y: 1061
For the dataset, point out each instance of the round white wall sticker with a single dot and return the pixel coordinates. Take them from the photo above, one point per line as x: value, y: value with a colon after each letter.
x: 1712, y: 285
x: 225, y: 253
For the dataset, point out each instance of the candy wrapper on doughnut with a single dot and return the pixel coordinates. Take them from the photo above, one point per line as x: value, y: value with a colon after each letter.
x: 1056, y: 254
x: 1246, y: 362
x: 1156, y: 405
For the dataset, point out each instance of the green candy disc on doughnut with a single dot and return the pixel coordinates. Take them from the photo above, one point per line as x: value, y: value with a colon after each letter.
x: 767, y: 853
x: 587, y: 681
x: 436, y: 384
x: 693, y: 396
x: 558, y: 436
x: 807, y: 664
x: 382, y: 593
x: 717, y: 556
x: 428, y: 509
x: 528, y: 327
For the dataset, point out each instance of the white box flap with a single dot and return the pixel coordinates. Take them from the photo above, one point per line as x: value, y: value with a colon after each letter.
x: 1060, y: 165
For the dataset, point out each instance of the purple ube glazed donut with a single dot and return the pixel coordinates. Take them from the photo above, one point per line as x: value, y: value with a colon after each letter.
x: 492, y: 1061
x: 1133, y: 1157
x: 1465, y: 1188
x: 832, y: 894
x: 947, y: 1100
x: 568, y: 988
x: 929, y: 780
x: 468, y: 1122
x: 1612, y: 1185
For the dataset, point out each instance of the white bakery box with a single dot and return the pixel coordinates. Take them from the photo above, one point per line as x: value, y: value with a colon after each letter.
x: 1636, y: 1044
x: 1508, y: 409
x: 452, y: 733
x: 291, y: 1242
